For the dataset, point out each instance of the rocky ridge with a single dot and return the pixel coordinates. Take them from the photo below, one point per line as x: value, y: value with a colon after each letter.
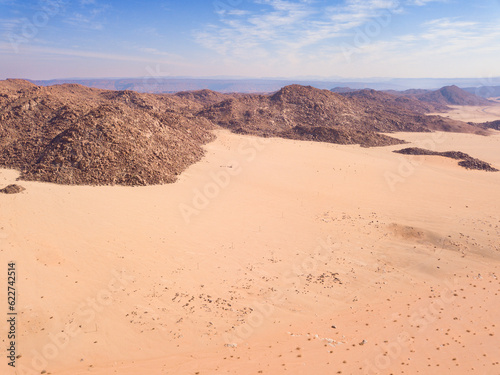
x: 72, y: 134
x: 467, y: 161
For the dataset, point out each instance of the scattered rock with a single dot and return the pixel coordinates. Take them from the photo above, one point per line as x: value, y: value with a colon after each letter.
x: 472, y: 163
x: 492, y: 125
x: 12, y: 189
x: 467, y: 161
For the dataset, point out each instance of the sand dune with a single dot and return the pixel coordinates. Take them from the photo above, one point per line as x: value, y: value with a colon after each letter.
x: 268, y: 256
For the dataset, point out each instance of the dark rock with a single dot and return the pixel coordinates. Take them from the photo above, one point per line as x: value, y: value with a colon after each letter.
x: 466, y: 160
x: 471, y: 163
x: 12, y: 189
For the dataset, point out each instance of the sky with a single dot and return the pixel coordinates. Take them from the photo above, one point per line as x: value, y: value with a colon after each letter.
x: 50, y: 39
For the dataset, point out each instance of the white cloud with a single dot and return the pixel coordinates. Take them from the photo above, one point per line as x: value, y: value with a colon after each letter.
x: 244, y: 33
x: 444, y: 47
x: 8, y: 24
x: 161, y: 58
x: 424, y: 2
x: 84, y: 21
x: 285, y: 37
x: 237, y: 12
x: 285, y: 28
x: 90, y: 15
x: 157, y: 52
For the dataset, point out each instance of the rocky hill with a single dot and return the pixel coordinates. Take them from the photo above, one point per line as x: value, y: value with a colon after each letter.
x: 491, y: 125
x: 344, y: 90
x: 452, y: 95
x: 72, y: 134
x: 395, y: 103
x: 445, y: 96
x: 203, y: 97
x: 366, y: 111
x: 484, y: 91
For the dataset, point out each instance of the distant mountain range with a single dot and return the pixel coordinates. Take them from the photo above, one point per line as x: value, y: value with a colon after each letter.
x: 152, y: 84
x: 448, y: 95
x: 485, y: 91
x: 437, y: 99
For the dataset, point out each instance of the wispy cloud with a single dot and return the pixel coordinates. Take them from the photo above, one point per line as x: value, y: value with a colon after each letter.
x: 149, y: 31
x: 359, y: 11
x: 286, y: 27
x: 84, y: 22
x: 263, y: 37
x: 425, y: 2
x: 449, y: 46
x: 90, y: 15
x: 241, y: 31
x: 298, y: 35
x: 157, y: 52
x: 237, y: 12
x: 160, y: 58
x: 447, y: 35
x: 9, y: 24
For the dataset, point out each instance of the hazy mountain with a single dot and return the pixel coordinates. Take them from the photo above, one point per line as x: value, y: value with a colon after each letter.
x: 389, y: 101
x: 155, y: 84
x: 485, y: 91
x: 450, y: 95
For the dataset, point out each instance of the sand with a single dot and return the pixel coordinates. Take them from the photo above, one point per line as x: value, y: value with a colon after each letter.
x: 476, y: 114
x: 268, y: 256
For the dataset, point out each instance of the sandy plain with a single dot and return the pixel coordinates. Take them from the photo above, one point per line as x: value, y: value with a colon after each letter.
x: 476, y: 114
x: 268, y: 256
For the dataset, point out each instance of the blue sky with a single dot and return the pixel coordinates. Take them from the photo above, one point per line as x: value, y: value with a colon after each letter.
x: 249, y: 38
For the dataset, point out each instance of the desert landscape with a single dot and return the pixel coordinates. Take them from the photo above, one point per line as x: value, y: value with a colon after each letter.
x: 279, y: 233
x: 245, y: 187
